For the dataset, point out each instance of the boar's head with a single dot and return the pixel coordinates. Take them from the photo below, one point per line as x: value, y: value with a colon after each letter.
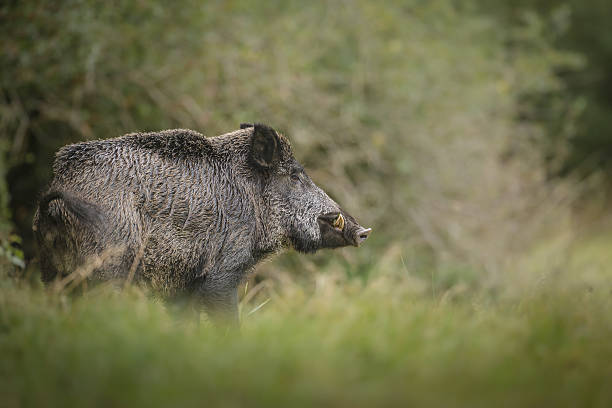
x: 304, y: 216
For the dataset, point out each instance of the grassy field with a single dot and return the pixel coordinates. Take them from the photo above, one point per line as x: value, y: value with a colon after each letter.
x: 338, y: 342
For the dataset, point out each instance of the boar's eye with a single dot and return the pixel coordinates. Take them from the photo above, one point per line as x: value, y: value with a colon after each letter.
x: 295, y: 177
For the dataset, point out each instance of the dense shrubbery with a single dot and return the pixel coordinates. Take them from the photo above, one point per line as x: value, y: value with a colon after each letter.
x: 581, y: 27
x: 406, y: 113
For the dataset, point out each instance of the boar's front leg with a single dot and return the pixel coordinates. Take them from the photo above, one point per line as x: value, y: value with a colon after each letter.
x: 219, y: 296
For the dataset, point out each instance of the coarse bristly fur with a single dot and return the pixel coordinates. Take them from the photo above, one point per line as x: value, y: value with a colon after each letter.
x: 190, y: 214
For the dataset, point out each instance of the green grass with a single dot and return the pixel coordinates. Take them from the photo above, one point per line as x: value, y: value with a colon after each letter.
x: 345, y: 343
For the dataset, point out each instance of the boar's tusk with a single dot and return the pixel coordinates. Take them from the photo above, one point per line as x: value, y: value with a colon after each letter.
x: 339, y: 222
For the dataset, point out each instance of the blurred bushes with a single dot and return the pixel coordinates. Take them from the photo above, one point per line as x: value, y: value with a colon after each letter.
x: 10, y: 256
x: 411, y: 114
x: 582, y: 27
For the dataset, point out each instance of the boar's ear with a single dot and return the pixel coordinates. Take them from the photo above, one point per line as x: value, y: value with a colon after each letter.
x: 265, y: 146
x: 245, y: 125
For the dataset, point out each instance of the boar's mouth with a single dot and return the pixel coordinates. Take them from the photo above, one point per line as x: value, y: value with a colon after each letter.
x: 339, y: 230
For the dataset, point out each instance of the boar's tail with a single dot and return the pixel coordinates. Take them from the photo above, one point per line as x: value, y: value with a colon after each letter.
x: 58, y: 228
x: 86, y: 213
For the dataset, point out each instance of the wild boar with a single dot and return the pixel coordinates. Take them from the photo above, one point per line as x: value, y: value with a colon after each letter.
x: 191, y: 215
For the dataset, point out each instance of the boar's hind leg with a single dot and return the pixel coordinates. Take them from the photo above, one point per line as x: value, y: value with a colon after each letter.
x: 220, y: 299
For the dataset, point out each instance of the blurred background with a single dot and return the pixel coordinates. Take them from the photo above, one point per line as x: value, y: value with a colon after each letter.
x: 464, y: 132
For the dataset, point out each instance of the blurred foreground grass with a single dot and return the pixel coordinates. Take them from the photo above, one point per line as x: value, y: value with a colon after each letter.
x: 385, y: 342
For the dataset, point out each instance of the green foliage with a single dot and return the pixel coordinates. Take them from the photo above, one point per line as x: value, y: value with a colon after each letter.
x: 405, y: 112
x: 10, y: 255
x: 582, y: 27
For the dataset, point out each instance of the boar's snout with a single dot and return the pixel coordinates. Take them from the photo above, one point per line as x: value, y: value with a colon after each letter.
x: 340, y: 229
x: 361, y: 235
